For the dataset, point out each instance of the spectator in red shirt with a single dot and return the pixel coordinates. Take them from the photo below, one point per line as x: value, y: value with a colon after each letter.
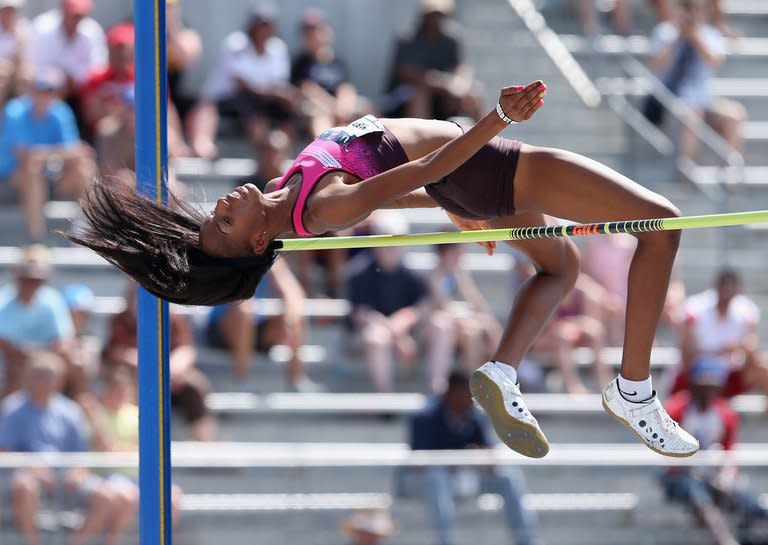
x: 707, y: 491
x: 723, y: 322
x: 103, y: 93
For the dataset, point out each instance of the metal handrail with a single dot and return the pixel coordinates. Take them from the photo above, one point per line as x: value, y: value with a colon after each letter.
x: 556, y: 50
x: 684, y: 114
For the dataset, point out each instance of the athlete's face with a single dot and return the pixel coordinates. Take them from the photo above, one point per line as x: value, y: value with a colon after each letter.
x: 237, y: 225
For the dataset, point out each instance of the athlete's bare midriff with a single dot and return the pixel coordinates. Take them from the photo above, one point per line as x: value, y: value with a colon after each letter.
x: 420, y: 137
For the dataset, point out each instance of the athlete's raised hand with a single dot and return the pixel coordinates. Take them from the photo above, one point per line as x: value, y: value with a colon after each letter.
x: 519, y: 103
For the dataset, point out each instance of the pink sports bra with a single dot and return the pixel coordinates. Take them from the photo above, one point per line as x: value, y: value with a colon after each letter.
x: 338, y: 149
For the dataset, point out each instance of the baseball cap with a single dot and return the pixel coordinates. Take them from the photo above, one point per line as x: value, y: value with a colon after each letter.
x: 80, y: 7
x: 312, y: 17
x: 437, y: 6
x: 48, y: 79
x: 708, y: 371
x: 34, y: 263
x: 389, y: 222
x: 78, y: 297
x: 121, y: 34
x: 262, y: 12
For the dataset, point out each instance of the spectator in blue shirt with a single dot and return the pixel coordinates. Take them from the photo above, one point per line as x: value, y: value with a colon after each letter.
x: 388, y: 302
x: 33, y: 317
x: 451, y: 422
x: 39, y: 142
x: 40, y: 419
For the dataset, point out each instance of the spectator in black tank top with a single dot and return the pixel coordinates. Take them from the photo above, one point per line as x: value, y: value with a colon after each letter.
x: 328, y: 96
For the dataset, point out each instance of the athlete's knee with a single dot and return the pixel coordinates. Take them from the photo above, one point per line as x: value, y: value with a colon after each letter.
x: 669, y: 240
x: 571, y: 265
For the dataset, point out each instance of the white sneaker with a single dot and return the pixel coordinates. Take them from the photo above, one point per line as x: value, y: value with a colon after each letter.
x: 494, y: 390
x: 650, y: 422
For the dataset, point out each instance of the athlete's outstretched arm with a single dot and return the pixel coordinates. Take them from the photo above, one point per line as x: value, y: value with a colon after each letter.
x: 344, y: 204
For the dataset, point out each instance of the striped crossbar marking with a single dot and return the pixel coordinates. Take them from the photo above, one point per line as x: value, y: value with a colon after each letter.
x: 370, y: 500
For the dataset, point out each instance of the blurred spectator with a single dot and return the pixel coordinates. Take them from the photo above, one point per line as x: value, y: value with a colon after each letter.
x: 34, y: 317
x: 368, y: 526
x: 250, y: 83
x: 330, y: 99
x: 686, y: 50
x: 40, y: 419
x: 115, y: 141
x: 429, y: 78
x: 240, y: 328
x: 273, y: 154
x: 106, y: 86
x: 577, y: 322
x: 184, y: 48
x: 620, y: 12
x: 665, y: 11
x: 709, y: 491
x: 40, y: 145
x: 189, y: 386
x: 461, y: 320
x: 452, y: 422
x: 606, y: 261
x: 68, y: 39
x: 722, y: 323
x: 14, y: 37
x: 80, y: 300
x: 388, y: 304
x: 114, y: 423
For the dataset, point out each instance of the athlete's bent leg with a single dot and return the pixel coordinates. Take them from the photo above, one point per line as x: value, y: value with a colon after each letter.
x: 494, y: 385
x: 568, y: 185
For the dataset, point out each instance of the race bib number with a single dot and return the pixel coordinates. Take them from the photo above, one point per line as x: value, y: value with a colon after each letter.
x: 360, y: 127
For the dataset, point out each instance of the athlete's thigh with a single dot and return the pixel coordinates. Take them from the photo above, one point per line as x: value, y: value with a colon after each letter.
x: 553, y: 255
x: 568, y: 185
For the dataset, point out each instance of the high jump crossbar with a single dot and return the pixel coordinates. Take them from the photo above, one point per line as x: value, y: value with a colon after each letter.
x: 528, y: 233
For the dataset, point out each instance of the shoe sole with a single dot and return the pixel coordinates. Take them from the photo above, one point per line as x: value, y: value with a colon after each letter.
x: 654, y: 449
x: 524, y: 438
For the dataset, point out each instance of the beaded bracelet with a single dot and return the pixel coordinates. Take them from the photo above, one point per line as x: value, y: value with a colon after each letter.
x: 504, y: 117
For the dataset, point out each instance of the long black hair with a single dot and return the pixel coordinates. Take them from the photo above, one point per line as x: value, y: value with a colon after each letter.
x: 158, y: 247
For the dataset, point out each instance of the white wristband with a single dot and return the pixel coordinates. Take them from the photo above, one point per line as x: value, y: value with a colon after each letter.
x: 504, y: 117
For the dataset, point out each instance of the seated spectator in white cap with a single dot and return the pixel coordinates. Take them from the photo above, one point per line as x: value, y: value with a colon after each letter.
x: 33, y: 317
x: 68, y: 39
x: 329, y: 98
x: 40, y: 145
x: 14, y: 34
x: 429, y: 77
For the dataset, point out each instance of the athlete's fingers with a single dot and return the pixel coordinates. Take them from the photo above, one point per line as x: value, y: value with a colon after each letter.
x: 514, y: 89
x: 533, y: 105
x: 516, y: 105
x: 489, y: 247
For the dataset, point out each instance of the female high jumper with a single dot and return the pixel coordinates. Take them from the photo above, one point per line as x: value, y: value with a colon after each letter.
x: 482, y: 181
